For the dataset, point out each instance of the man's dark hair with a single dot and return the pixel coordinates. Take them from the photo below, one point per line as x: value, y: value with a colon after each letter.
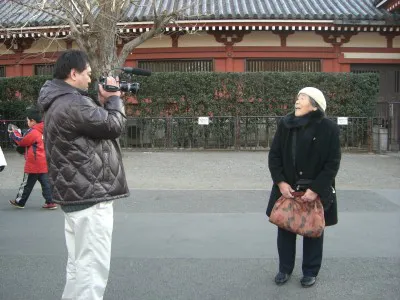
x: 68, y: 60
x: 33, y: 113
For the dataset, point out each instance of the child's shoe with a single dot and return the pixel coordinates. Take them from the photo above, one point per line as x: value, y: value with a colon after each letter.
x: 49, y: 206
x: 15, y: 204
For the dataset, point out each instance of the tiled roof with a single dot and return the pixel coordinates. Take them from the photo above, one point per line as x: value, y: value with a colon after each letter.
x: 12, y: 14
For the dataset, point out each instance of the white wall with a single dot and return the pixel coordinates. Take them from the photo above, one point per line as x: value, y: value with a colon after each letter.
x: 3, y: 50
x: 306, y: 39
x: 396, y: 42
x: 371, y: 55
x: 46, y: 45
x: 161, y: 41
x: 366, y: 39
x: 260, y: 38
x: 198, y: 39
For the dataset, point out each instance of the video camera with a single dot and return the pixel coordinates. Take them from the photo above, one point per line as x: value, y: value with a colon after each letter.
x: 125, y: 86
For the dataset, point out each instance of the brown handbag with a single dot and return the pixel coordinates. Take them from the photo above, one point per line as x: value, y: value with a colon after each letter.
x: 295, y: 215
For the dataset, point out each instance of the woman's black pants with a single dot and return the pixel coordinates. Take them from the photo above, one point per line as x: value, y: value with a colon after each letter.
x: 312, y: 253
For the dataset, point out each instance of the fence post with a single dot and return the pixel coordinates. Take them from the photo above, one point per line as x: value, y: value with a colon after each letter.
x: 394, y: 126
x: 169, y: 131
x: 369, y: 134
x: 237, y: 132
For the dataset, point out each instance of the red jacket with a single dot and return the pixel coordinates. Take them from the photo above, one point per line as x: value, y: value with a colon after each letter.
x: 35, y: 155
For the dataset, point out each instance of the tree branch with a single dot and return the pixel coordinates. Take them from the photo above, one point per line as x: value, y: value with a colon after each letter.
x: 93, y: 24
x: 160, y: 21
x: 157, y: 29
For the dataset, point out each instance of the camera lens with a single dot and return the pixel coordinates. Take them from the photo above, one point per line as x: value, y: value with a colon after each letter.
x: 129, y: 87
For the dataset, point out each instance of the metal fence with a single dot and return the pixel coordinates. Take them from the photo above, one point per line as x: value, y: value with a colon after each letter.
x: 389, y: 112
x: 230, y: 133
x: 227, y: 133
x: 236, y: 133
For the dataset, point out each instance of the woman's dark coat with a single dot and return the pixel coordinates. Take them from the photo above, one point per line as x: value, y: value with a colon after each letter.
x: 317, y: 157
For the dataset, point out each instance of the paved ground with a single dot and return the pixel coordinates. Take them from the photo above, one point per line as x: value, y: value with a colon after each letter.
x: 194, y: 228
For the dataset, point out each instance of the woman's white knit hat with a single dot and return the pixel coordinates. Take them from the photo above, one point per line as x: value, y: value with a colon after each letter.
x: 316, y: 94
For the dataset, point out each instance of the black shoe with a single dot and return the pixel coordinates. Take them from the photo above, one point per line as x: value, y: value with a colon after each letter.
x: 15, y: 204
x: 281, y: 278
x: 308, y: 281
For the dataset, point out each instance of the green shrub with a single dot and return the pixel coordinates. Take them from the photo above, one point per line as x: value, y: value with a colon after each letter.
x: 220, y: 94
x: 252, y: 94
x: 17, y: 93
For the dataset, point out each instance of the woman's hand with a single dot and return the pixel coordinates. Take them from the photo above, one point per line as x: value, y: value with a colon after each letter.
x: 285, y: 189
x: 309, y: 196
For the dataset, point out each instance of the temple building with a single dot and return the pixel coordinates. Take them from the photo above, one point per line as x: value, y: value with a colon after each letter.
x: 230, y: 36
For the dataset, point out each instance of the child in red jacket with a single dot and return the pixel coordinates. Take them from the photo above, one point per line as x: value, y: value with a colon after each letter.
x: 35, y: 161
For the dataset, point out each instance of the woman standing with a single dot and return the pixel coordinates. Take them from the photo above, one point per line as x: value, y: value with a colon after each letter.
x: 305, y: 148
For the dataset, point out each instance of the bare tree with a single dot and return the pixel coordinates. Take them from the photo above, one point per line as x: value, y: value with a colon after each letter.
x: 94, y: 25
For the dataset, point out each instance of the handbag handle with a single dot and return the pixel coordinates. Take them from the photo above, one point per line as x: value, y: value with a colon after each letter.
x: 298, y: 194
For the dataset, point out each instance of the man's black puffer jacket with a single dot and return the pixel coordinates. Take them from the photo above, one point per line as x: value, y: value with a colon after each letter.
x: 83, y: 155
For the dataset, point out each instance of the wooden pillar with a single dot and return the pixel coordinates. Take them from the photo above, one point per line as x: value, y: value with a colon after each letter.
x: 283, y: 35
x: 28, y: 70
x: 68, y: 44
x: 175, y: 37
x: 229, y: 59
x: 131, y: 63
x: 10, y: 71
x: 220, y: 65
x: 239, y: 65
x: 327, y: 65
x: 389, y: 38
x: 337, y: 39
x: 336, y: 64
x: 229, y: 39
x: 18, y: 69
x: 345, y: 68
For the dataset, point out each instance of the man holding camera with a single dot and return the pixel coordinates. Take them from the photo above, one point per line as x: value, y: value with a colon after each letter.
x: 85, y: 169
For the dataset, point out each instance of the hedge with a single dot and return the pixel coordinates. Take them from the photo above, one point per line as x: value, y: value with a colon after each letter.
x: 219, y: 94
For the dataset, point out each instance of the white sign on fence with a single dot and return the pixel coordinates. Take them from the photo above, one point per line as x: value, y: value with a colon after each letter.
x: 343, y: 121
x: 204, y: 121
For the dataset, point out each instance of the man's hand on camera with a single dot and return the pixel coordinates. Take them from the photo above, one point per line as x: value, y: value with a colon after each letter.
x: 103, y: 94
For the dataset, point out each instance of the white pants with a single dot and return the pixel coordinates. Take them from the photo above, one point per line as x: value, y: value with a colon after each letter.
x: 88, y: 235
